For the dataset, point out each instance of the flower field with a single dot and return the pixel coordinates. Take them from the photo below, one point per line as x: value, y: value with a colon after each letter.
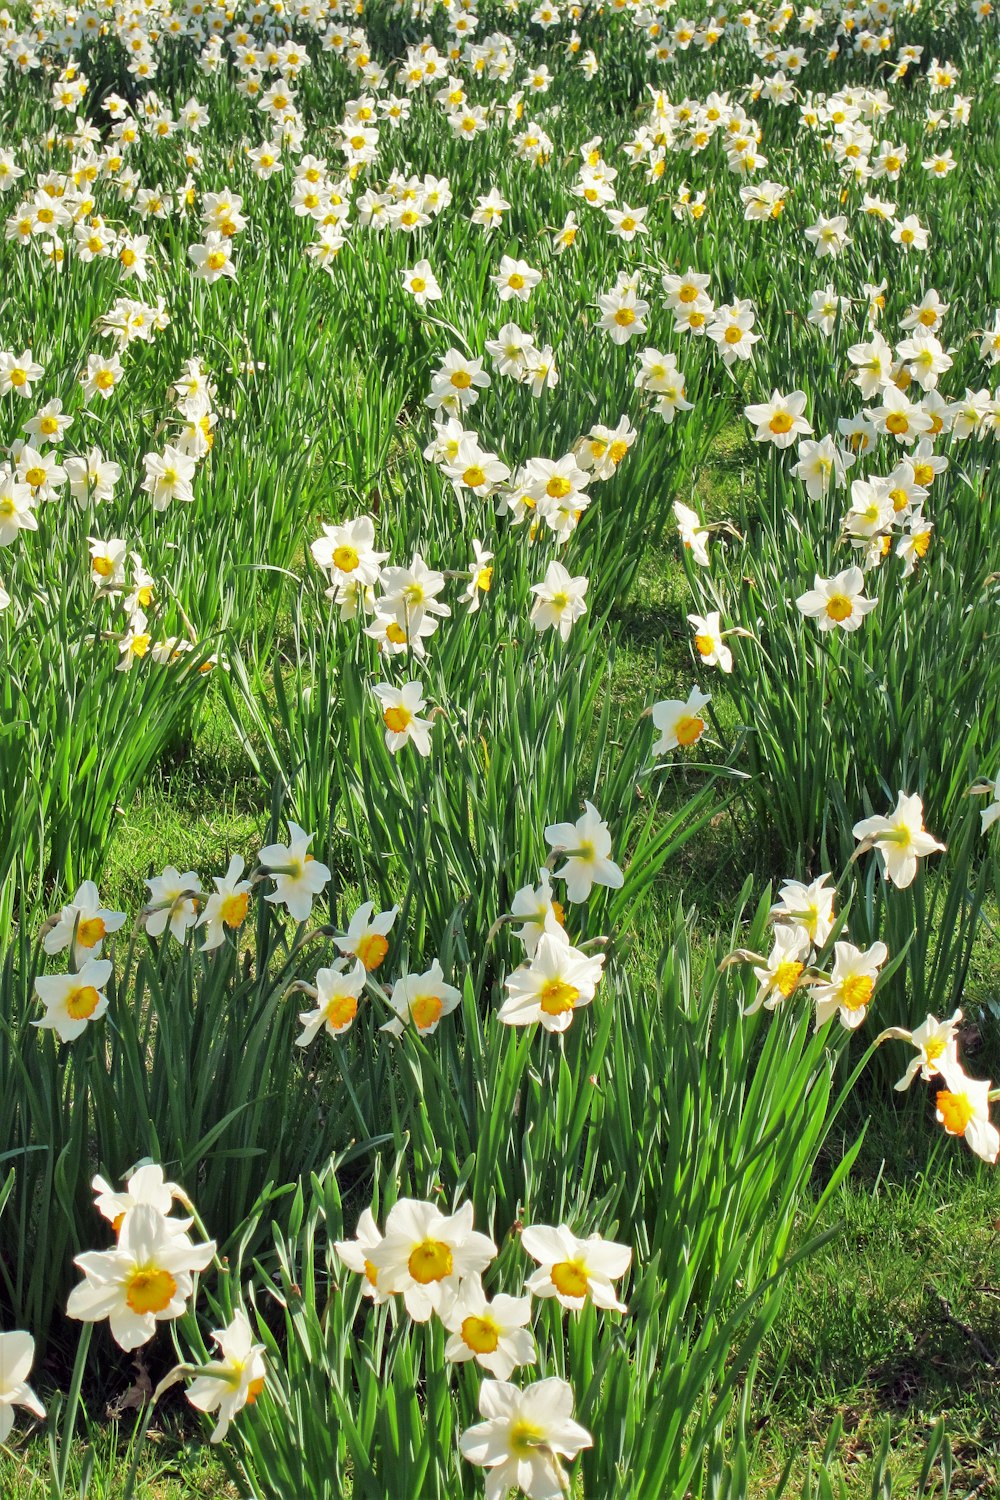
x: 499, y: 730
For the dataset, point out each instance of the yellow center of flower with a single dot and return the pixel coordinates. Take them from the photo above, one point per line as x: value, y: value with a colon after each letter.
x: 149, y: 1289
x: 921, y: 542
x: 371, y: 949
x: 341, y: 1010
x: 431, y: 1260
x: 82, y: 1002
x: 127, y: 257
x: 516, y: 281
x: 397, y: 718
x: 704, y: 645
x: 558, y: 487
x: 35, y: 476
x: 624, y: 317
x: 857, y: 991
x: 899, y: 499
x: 425, y: 1011
x: 955, y: 1110
x: 418, y: 284
x: 927, y: 316
x: 104, y: 379
x: 839, y: 607
x: 103, y: 566
x: 482, y: 1335
x: 733, y: 334
x: 474, y: 476
x: 897, y: 422
x: 216, y: 260
x: 18, y: 377
x: 90, y: 931
x: 786, y: 976
x: 461, y: 380
x: 570, y: 1278
x: 345, y: 558
x: 923, y: 474
x: 689, y: 729
x: 371, y: 1272
x: 556, y: 997
x: 254, y: 1389
x: 524, y: 1438
x: 234, y: 908
x: 780, y: 422
x: 395, y: 633
x: 687, y: 294
x: 934, y: 1048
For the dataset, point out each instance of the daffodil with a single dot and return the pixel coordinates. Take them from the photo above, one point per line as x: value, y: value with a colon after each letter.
x: 493, y: 1332
x: 84, y: 923
x: 839, y: 602
x: 572, y: 1270
x: 354, y: 1254
x: 298, y: 876
x: 73, y: 1001
x: 337, y: 992
x: 850, y: 986
x: 424, y: 1254
x: 557, y: 980
x: 586, y: 846
x: 145, y: 1280
x: 901, y: 839
x: 524, y: 1435
x: 679, y: 723
x: 235, y: 1379
x: 963, y: 1108
x: 17, y: 1352
x: 421, y: 1001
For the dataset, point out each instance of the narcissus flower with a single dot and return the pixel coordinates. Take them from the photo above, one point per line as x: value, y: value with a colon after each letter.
x: 559, y: 600
x: 401, y: 707
x: 367, y: 935
x: 494, y: 1334
x: 337, y: 992
x: 298, y: 877
x: 837, y: 602
x: 778, y: 978
x: 963, y: 1108
x: 553, y: 985
x: 780, y: 420
x: 146, y: 1184
x: 538, y: 908
x: 173, y: 901
x: 680, y: 724
x: 525, y: 1434
x: 572, y: 1269
x: 425, y: 1254
x: 348, y: 552
x: 936, y: 1043
x: 17, y: 1351
x: 694, y: 535
x: 233, y: 1381
x: 73, y: 1000
x: 226, y: 908
x: 850, y: 986
x: 85, y: 923
x: 807, y: 907
x: 145, y: 1280
x: 709, y: 641
x: 420, y: 1001
x: 587, y: 847
x: 900, y: 838
x: 354, y: 1253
